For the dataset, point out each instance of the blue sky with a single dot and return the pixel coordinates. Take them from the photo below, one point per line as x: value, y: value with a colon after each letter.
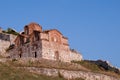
x: 92, y: 26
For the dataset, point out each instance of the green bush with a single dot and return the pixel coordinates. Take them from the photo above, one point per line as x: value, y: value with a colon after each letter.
x: 11, y: 31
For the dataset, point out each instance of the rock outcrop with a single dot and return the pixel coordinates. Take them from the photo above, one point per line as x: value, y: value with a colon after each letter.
x: 105, y: 65
x: 70, y: 74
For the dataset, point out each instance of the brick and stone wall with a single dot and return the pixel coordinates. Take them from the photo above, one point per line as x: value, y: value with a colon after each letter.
x: 74, y: 55
x: 5, y: 41
x: 0, y: 30
x: 3, y: 46
x: 57, y: 50
x: 49, y: 44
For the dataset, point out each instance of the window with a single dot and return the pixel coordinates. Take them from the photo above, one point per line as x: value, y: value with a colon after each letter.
x: 26, y: 30
x: 37, y: 36
x: 35, y: 55
x: 54, y: 39
x: 56, y: 55
x: 20, y: 55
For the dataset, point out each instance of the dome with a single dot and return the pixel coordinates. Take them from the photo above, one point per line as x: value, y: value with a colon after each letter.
x: 35, y: 26
x: 28, y: 29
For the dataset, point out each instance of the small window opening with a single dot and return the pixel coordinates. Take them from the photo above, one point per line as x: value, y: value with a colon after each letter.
x: 35, y: 54
x: 20, y: 55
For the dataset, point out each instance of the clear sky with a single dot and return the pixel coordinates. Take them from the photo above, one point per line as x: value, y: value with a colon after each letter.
x: 92, y: 26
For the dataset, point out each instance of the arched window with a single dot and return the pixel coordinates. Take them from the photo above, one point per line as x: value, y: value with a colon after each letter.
x: 54, y: 39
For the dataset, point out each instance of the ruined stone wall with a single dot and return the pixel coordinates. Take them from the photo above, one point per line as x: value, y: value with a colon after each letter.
x: 12, y: 38
x: 65, y: 41
x: 75, y: 56
x: 0, y: 30
x: 5, y: 41
x: 27, y: 50
x: 3, y: 46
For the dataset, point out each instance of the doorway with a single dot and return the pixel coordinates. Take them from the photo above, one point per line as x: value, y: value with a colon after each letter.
x: 35, y: 55
x: 56, y: 55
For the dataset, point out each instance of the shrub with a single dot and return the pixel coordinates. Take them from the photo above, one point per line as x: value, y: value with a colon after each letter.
x: 11, y: 31
x: 13, y: 60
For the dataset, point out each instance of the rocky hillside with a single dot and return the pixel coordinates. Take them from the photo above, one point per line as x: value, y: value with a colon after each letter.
x: 31, y: 69
x: 13, y: 70
x: 9, y: 72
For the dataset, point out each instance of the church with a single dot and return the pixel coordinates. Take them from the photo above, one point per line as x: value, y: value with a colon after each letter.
x: 36, y: 43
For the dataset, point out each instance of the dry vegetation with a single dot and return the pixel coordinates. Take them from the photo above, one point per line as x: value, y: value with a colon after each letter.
x: 9, y: 71
x: 75, y: 65
x: 95, y: 68
x: 43, y: 63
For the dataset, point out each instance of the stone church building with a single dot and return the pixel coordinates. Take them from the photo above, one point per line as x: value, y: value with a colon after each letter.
x: 48, y: 44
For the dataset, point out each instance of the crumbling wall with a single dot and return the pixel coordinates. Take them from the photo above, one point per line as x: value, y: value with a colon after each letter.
x: 5, y: 41
x: 27, y: 50
x: 74, y: 55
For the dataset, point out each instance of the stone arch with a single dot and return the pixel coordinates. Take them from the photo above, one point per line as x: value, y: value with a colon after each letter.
x: 56, y: 38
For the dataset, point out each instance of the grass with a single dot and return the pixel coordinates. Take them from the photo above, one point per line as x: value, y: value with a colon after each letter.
x: 10, y: 31
x: 88, y: 65
x: 8, y: 72
x: 43, y: 63
x: 75, y: 66
x: 95, y: 68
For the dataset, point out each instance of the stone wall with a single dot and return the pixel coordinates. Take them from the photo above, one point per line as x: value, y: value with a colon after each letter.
x: 74, y: 55
x: 4, y: 37
x: 12, y: 38
x: 50, y: 44
x: 54, y: 51
x: 27, y: 50
x: 5, y: 41
x: 70, y: 74
x: 1, y: 30
x: 57, y: 50
x: 44, y: 48
x: 3, y: 46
